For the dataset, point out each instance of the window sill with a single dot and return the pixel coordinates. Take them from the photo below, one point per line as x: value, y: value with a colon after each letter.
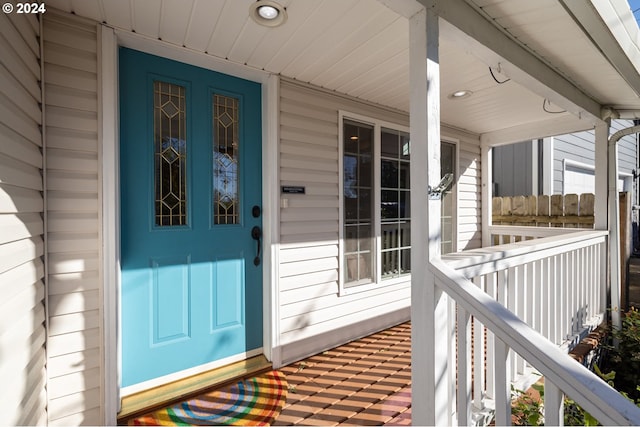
x: 372, y: 286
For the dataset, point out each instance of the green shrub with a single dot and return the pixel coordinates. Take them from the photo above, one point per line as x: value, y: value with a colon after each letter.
x: 622, y: 365
x: 624, y: 358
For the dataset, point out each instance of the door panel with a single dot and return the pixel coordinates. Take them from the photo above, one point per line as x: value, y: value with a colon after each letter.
x: 190, y: 159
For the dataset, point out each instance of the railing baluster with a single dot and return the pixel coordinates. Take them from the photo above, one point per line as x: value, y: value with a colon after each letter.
x: 490, y: 379
x: 573, y: 294
x: 537, y: 296
x: 603, y: 277
x: 512, y: 294
x: 503, y: 388
x: 558, y: 309
x: 566, y: 318
x: 553, y: 405
x: 452, y: 366
x: 545, y: 287
x: 590, y: 290
x: 464, y: 368
x: 478, y: 356
x: 581, y: 285
x: 520, y: 297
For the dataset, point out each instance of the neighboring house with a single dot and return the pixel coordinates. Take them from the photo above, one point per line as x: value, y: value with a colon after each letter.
x: 565, y: 164
x: 562, y: 164
x: 186, y: 184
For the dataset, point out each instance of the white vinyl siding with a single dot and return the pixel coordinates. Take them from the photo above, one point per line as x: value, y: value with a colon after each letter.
x: 468, y: 189
x: 22, y: 306
x: 309, y: 250
x: 75, y: 316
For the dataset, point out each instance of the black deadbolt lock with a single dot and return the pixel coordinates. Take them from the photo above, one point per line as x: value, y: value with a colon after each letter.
x: 255, y: 211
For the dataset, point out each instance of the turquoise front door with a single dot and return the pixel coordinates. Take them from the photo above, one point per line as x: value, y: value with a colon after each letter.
x: 190, y: 184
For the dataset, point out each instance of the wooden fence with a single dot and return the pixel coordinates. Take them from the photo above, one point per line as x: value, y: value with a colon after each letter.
x: 568, y: 211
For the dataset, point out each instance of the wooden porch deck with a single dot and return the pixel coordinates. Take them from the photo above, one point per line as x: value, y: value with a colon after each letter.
x: 364, y: 382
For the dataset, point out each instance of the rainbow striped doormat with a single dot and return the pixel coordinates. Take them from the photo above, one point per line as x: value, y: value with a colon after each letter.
x: 255, y: 401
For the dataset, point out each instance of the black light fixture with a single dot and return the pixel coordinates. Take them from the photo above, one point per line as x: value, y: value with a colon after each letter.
x: 268, y: 13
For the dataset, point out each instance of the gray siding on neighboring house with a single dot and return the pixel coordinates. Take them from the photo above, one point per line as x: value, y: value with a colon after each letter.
x: 309, y: 246
x: 22, y: 307
x: 75, y: 316
x: 580, y: 147
x: 513, y: 170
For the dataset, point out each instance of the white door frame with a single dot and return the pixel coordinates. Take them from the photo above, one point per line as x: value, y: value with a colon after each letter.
x: 108, y: 133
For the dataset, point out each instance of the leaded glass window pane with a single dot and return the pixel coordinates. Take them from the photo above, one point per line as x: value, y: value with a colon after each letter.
x: 226, y: 201
x: 170, y: 148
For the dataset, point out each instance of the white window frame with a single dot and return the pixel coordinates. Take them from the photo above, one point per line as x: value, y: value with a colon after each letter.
x: 377, y: 227
x: 454, y: 190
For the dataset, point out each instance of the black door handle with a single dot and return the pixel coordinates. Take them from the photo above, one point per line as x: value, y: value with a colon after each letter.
x: 256, y: 234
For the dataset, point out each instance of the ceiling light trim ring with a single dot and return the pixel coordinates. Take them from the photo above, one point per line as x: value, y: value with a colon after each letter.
x: 268, y: 13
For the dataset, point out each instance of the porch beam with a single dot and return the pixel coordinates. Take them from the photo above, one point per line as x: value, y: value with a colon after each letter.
x: 536, y: 130
x: 470, y: 29
x: 430, y: 382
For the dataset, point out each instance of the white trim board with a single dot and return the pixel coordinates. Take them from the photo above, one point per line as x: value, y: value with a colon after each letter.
x: 109, y: 42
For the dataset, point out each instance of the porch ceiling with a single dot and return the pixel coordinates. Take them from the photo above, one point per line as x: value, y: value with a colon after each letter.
x: 360, y: 48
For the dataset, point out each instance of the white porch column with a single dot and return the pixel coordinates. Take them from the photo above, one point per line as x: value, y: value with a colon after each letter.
x: 486, y: 164
x: 607, y: 210
x: 614, y: 233
x: 601, y: 176
x: 430, y: 382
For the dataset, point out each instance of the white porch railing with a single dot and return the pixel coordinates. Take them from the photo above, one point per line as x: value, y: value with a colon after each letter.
x: 526, y: 299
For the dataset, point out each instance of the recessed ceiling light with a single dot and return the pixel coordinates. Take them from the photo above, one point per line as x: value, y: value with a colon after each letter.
x: 268, y: 13
x: 460, y: 94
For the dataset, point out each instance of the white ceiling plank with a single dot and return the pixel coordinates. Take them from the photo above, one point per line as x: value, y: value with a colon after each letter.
x: 405, y: 8
x: 515, y: 8
x: 351, y: 21
x: 146, y: 17
x: 203, y: 21
x: 298, y: 13
x: 174, y: 20
x: 350, y: 43
x: 64, y: 5
x: 117, y: 13
x: 383, y: 73
x: 250, y: 38
x: 88, y: 8
x: 313, y: 28
x: 247, y: 41
x: 233, y: 18
x: 348, y: 68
